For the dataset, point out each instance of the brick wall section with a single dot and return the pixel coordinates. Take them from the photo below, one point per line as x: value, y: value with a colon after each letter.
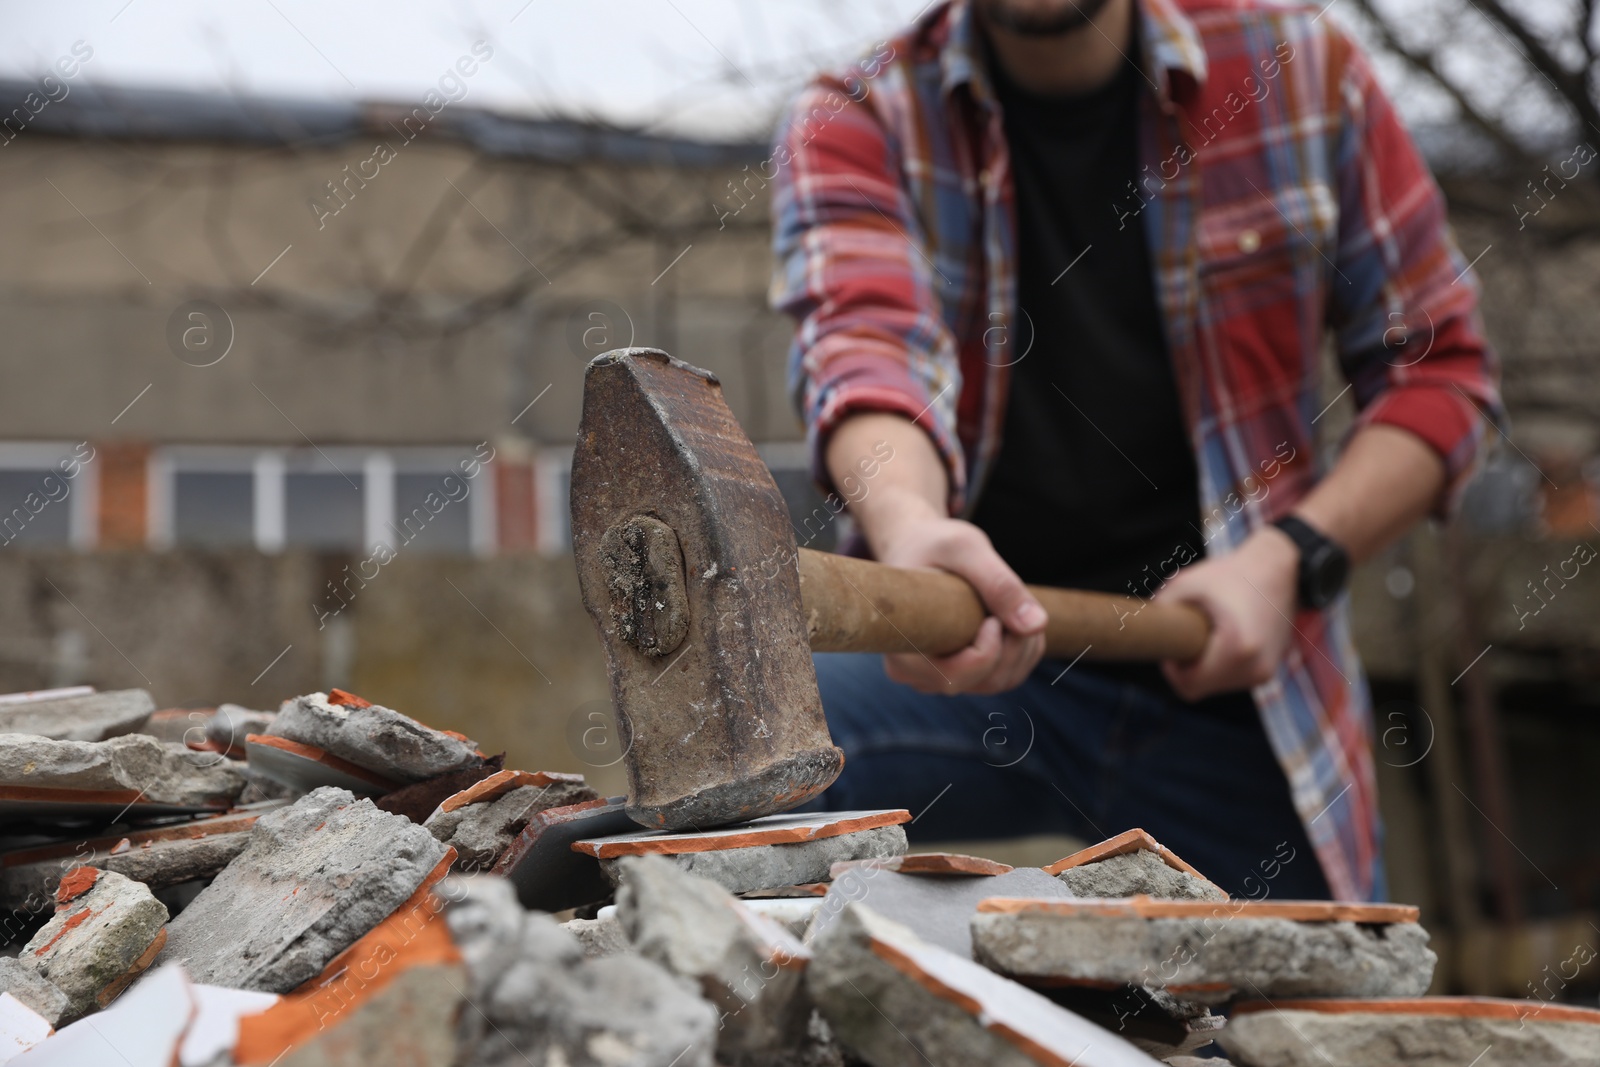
x: 124, y: 493
x: 517, y: 529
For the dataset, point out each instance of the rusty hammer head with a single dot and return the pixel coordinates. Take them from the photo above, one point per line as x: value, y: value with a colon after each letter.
x: 679, y: 533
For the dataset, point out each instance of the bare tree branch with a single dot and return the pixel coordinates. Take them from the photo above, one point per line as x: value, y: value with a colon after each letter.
x: 1426, y: 63
x: 1571, y: 86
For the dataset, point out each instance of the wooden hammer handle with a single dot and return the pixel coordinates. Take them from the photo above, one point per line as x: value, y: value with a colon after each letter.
x: 855, y: 605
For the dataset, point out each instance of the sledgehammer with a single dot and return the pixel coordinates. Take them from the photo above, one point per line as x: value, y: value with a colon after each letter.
x: 709, y: 613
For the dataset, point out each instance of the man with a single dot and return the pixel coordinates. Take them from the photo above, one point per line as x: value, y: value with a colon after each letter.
x: 1074, y: 262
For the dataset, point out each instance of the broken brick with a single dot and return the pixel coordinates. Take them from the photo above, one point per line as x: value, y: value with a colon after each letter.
x: 130, y: 768
x: 1130, y: 864
x: 84, y: 717
x: 1209, y: 953
x: 379, y: 739
x: 749, y: 968
x: 105, y: 932
x: 538, y: 999
x: 481, y: 822
x: 788, y: 849
x: 33, y: 989
x: 401, y: 986
x: 1432, y: 1031
x: 314, y: 877
x: 895, y: 999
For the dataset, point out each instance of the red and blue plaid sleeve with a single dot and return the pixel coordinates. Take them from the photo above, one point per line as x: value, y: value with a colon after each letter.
x: 853, y: 269
x: 1404, y: 301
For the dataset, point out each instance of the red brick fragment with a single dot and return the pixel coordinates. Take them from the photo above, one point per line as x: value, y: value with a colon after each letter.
x: 75, y: 920
x: 347, y: 700
x: 75, y: 883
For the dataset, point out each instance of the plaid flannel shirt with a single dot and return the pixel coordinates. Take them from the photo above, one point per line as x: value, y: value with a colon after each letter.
x: 1280, y: 197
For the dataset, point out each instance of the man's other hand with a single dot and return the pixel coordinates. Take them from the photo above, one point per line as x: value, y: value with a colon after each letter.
x: 1249, y: 596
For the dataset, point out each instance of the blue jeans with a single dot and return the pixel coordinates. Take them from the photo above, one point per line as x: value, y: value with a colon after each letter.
x: 1070, y: 752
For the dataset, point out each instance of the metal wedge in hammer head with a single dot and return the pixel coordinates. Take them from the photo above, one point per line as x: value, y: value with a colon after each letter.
x: 673, y: 515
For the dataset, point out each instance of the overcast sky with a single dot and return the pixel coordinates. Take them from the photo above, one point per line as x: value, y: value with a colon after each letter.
x: 704, y: 66
x: 708, y: 68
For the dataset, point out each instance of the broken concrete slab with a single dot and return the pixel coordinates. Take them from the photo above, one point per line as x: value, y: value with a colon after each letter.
x: 159, y: 857
x: 548, y: 874
x: 304, y: 768
x: 105, y: 932
x: 1137, y: 873
x: 898, y: 1001
x: 1429, y: 1032
x: 932, y: 864
x: 21, y: 1028
x: 599, y: 937
x: 314, y: 877
x: 775, y: 850
x: 539, y: 1000
x: 1209, y: 953
x: 132, y: 766
x: 82, y: 717
x: 368, y: 735
x: 749, y: 968
x: 33, y: 989
x: 1130, y: 855
x: 938, y: 910
x: 481, y: 822
x: 401, y: 986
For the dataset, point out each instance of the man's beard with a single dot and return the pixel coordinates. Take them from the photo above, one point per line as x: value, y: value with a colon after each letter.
x: 1006, y: 15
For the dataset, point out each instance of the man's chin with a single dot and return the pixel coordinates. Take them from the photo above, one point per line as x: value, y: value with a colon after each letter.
x: 1039, y: 20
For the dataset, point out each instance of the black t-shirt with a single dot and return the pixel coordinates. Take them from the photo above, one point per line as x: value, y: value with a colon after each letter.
x: 1095, y: 486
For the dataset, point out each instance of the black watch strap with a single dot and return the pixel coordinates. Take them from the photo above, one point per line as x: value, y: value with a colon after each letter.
x: 1324, y: 565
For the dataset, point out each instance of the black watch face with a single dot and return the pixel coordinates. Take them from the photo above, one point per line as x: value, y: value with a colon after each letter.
x: 1326, y: 570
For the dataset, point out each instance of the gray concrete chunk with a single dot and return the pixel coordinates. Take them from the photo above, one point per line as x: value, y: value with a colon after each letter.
x: 599, y: 937
x: 748, y: 967
x: 33, y: 989
x: 1133, y: 873
x: 740, y: 870
x: 481, y: 833
x: 1292, y: 1038
x: 1209, y: 960
x: 314, y: 877
x: 897, y: 1001
x: 91, y: 717
x: 540, y: 1000
x: 97, y: 939
x: 162, y: 772
x: 374, y: 737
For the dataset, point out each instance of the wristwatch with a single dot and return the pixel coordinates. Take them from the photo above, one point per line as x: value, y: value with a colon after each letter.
x: 1324, y: 565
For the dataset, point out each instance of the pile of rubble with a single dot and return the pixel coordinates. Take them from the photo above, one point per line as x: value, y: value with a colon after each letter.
x: 336, y: 883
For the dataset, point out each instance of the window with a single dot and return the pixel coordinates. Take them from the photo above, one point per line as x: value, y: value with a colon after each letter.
x: 323, y: 509
x: 28, y: 514
x: 47, y: 495
x: 340, y: 498
x: 432, y: 515
x: 213, y: 508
